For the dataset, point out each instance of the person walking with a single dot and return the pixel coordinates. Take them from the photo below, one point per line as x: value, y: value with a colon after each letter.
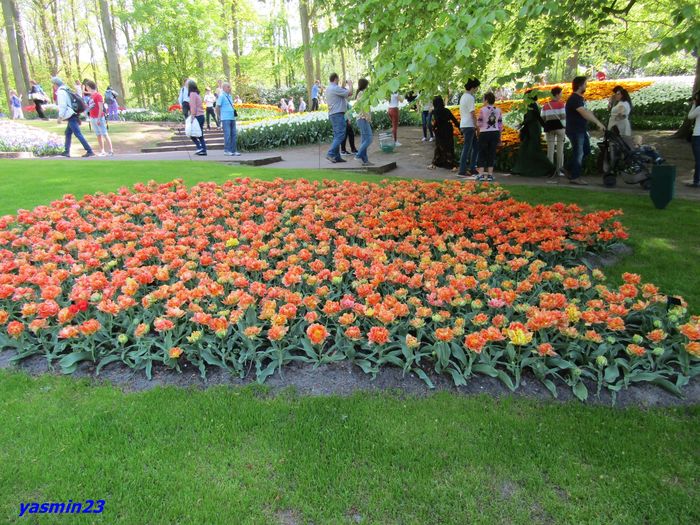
x: 337, y: 106
x: 620, y: 107
x: 443, y: 119
x: 394, y: 116
x: 349, y: 137
x: 112, y: 104
x: 196, y: 110
x: 364, y: 122
x: 427, y: 108
x: 554, y: 117
x: 695, y: 140
x: 37, y: 95
x: 97, y: 118
x: 16, y: 103
x: 467, y: 125
x: 490, y: 122
x: 577, y: 119
x: 184, y: 98
x: 227, y: 116
x: 210, y: 103
x: 66, y: 112
x: 315, y: 89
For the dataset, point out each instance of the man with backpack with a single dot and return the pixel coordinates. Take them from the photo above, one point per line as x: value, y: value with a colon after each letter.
x: 70, y: 106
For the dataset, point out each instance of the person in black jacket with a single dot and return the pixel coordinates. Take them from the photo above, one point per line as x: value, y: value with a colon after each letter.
x: 38, y: 97
x: 443, y: 119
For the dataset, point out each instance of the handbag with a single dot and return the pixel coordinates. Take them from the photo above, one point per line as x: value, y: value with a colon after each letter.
x: 192, y: 127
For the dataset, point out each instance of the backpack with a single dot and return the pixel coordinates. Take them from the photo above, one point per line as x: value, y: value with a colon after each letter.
x: 77, y: 104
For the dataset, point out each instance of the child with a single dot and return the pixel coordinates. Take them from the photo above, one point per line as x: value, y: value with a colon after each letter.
x: 648, y: 151
x: 16, y: 105
x: 490, y: 123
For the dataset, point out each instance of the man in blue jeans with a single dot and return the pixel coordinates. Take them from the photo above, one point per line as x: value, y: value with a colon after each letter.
x: 337, y: 99
x: 227, y: 116
x: 65, y: 112
x: 467, y: 112
x: 577, y: 119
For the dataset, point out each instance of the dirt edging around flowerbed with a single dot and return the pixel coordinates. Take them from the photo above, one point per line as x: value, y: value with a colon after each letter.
x: 344, y: 379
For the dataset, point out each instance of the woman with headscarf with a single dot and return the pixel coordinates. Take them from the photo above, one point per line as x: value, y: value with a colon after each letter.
x: 531, y: 159
x: 443, y: 119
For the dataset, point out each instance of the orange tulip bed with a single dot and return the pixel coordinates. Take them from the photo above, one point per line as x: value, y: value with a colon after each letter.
x: 432, y: 277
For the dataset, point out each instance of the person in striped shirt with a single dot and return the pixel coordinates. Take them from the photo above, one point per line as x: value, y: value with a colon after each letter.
x: 554, y: 117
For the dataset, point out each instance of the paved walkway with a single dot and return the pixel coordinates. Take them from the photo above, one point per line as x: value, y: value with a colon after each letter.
x: 413, y: 157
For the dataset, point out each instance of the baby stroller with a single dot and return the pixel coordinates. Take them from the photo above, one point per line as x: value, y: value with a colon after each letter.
x: 618, y: 157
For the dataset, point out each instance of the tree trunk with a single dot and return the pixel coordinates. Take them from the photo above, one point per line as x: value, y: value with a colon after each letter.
x: 306, y: 39
x: 571, y: 67
x: 12, y: 46
x: 342, y: 64
x: 317, y: 54
x: 21, y: 46
x: 93, y: 65
x: 225, y: 62
x: 49, y: 45
x: 236, y: 40
x: 5, y: 77
x: 58, y: 35
x: 76, y: 41
x: 113, y: 70
x: 686, y: 128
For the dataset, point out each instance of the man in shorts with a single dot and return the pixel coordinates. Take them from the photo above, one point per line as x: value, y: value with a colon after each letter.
x: 98, y: 121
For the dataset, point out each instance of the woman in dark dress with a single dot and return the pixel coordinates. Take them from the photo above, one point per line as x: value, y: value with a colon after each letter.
x: 443, y: 119
x: 531, y: 160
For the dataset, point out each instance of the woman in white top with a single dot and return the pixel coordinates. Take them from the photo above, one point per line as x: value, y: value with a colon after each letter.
x: 695, y: 141
x: 394, y: 115
x: 620, y: 109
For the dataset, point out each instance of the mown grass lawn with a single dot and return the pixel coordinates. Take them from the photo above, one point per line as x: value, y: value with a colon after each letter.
x: 234, y: 456
x: 237, y: 456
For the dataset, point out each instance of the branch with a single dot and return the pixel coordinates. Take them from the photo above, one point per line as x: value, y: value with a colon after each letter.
x: 612, y: 11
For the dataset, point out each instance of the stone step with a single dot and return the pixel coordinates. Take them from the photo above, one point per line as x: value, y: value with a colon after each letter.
x: 261, y: 161
x: 377, y: 168
x: 184, y: 147
x: 186, y: 140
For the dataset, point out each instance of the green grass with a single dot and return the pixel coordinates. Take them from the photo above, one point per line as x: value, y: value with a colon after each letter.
x: 237, y: 456
x: 241, y: 456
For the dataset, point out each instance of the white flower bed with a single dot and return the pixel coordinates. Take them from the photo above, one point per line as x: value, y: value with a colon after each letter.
x: 15, y: 136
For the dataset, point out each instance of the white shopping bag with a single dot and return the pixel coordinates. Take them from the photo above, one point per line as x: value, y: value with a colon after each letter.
x: 192, y: 128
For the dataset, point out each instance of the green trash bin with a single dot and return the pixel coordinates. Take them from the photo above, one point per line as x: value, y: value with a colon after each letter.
x: 663, y: 185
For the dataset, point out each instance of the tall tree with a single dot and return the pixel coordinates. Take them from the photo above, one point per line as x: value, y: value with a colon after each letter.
x: 235, y: 33
x: 306, y: 40
x: 12, y: 46
x: 113, y: 69
x: 21, y: 45
x: 5, y: 76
